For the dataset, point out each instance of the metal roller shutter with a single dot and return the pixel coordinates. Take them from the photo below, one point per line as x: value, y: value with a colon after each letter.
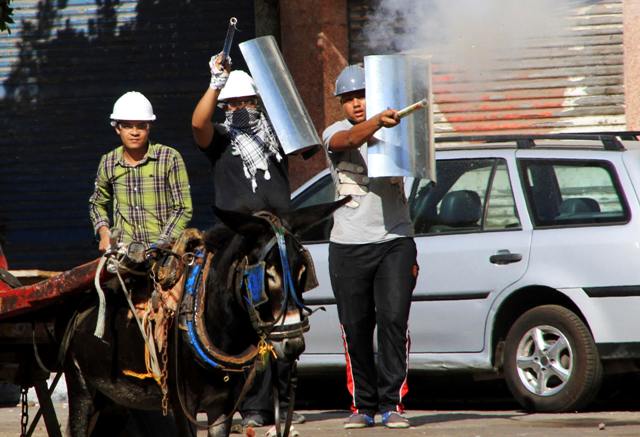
x: 568, y: 84
x: 61, y: 69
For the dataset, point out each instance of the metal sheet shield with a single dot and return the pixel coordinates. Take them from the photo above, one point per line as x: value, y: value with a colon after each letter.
x: 279, y: 94
x: 397, y: 81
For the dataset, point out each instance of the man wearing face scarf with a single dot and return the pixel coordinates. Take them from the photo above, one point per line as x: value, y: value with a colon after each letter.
x: 249, y: 166
x: 249, y: 174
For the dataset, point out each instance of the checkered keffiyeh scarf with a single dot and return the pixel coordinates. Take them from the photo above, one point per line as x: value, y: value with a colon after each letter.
x: 253, y: 139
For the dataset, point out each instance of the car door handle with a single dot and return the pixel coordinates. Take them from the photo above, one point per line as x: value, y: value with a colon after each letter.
x: 505, y: 257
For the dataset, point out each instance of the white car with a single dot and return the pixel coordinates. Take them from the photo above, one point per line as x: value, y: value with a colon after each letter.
x: 528, y: 249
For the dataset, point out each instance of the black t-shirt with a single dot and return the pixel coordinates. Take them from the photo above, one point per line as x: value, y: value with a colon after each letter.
x: 232, y: 189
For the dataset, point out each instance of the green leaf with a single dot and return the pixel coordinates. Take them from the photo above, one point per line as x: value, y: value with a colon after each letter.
x: 5, y: 15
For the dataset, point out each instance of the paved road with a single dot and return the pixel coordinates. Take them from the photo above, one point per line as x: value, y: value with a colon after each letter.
x: 432, y: 423
x: 447, y: 407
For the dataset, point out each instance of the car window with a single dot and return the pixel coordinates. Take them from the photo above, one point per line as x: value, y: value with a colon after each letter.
x: 501, y: 207
x: 458, y: 202
x: 321, y: 191
x: 573, y: 192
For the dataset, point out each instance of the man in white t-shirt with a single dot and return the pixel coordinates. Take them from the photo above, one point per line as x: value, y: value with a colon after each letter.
x: 372, y: 262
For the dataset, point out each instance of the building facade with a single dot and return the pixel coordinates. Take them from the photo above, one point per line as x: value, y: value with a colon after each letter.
x: 65, y: 63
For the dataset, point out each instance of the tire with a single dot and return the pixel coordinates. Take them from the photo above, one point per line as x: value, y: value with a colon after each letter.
x: 545, y: 378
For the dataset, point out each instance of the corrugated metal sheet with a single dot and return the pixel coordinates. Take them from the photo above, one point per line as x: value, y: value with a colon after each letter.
x: 61, y: 68
x: 568, y: 84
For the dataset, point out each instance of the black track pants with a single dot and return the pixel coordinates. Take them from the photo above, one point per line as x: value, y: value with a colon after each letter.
x: 373, y: 284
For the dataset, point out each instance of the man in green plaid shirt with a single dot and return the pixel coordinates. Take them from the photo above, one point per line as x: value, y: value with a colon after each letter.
x: 145, y: 184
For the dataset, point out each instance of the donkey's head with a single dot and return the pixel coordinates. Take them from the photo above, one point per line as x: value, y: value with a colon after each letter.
x: 273, y: 271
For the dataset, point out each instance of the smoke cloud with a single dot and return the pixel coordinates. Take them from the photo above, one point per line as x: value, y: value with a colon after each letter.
x: 472, y: 37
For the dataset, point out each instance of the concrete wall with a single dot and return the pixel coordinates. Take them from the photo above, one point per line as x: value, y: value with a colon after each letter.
x: 314, y: 37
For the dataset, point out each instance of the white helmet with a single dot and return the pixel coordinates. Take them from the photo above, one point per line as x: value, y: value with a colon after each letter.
x: 133, y: 106
x: 239, y: 84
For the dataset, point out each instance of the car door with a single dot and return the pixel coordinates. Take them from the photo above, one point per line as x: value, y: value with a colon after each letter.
x: 585, y: 237
x: 471, y: 243
x: 323, y: 341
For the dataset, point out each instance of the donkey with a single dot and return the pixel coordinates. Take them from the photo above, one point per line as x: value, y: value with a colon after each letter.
x: 242, y: 305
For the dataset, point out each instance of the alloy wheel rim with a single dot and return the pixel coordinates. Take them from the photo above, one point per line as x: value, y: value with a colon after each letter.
x: 544, y: 360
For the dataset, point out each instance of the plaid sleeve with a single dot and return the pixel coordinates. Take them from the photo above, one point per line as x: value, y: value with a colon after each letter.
x: 181, y: 208
x: 101, y: 198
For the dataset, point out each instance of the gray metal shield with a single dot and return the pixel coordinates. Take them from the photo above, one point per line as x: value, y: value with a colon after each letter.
x: 279, y: 94
x: 397, y: 81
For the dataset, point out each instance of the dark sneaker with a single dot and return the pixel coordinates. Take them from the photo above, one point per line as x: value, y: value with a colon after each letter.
x: 255, y: 419
x: 392, y: 419
x: 296, y: 418
x: 358, y: 420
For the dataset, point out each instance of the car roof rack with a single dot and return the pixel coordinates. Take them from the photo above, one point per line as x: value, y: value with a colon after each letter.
x: 610, y: 140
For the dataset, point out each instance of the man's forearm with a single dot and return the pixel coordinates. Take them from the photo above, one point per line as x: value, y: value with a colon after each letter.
x: 201, y: 124
x: 100, y: 200
x: 104, y: 238
x: 354, y: 137
x: 103, y: 231
x: 99, y: 217
x: 363, y: 132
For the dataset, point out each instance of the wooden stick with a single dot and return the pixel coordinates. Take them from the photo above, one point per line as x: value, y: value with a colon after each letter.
x: 412, y: 108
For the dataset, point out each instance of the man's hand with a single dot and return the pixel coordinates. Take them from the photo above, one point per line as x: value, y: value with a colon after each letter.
x: 388, y: 118
x: 105, y: 236
x: 220, y: 69
x: 363, y: 132
x: 160, y: 245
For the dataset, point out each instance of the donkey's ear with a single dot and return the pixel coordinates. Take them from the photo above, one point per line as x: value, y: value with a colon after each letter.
x: 302, y: 219
x: 242, y: 223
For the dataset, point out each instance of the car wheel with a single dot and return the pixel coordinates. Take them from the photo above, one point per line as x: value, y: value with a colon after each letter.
x: 551, y: 362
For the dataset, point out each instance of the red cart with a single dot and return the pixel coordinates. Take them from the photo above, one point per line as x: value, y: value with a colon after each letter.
x: 29, y: 350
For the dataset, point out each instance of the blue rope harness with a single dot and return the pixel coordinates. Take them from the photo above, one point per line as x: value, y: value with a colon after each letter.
x: 191, y: 287
x: 289, y: 288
